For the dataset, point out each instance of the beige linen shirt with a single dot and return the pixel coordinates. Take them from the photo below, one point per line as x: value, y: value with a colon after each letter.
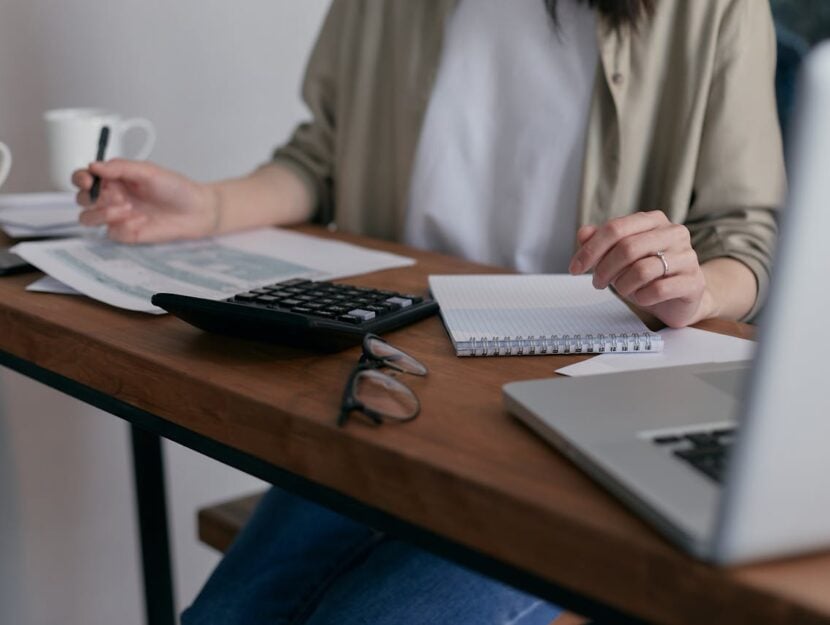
x: 683, y: 120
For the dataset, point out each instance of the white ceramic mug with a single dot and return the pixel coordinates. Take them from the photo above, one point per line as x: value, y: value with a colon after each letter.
x: 5, y: 162
x: 73, y: 135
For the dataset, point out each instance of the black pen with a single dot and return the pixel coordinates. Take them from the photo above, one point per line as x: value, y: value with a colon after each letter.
x: 103, y: 139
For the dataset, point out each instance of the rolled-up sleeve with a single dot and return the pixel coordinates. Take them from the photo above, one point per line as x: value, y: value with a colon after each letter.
x: 740, y: 177
x: 310, y: 152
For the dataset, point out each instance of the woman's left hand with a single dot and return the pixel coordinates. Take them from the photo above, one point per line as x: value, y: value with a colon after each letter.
x: 623, y: 253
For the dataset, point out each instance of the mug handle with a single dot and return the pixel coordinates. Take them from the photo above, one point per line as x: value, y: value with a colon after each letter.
x: 5, y: 162
x: 147, y: 126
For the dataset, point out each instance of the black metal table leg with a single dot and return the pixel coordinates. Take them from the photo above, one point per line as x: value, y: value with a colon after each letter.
x: 151, y: 500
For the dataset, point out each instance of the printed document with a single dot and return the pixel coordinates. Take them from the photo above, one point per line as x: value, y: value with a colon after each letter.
x: 47, y: 284
x: 127, y: 276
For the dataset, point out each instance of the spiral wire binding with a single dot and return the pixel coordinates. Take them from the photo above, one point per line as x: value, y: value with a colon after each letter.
x: 565, y: 344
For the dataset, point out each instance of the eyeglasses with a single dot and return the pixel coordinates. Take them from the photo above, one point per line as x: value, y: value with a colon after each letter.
x: 377, y: 395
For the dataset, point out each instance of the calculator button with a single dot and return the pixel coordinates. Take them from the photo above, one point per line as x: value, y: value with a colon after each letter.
x: 245, y: 297
x: 379, y: 309
x: 294, y: 282
x: 302, y: 310
x: 350, y: 319
x: 363, y: 315
x: 290, y: 302
x: 266, y: 299
x: 398, y: 302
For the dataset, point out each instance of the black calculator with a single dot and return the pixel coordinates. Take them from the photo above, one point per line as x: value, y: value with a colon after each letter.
x: 303, y: 313
x: 12, y: 263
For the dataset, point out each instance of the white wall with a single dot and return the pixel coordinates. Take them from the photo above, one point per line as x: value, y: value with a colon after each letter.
x: 220, y: 80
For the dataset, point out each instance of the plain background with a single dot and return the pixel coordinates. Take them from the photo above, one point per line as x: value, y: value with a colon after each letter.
x: 221, y: 82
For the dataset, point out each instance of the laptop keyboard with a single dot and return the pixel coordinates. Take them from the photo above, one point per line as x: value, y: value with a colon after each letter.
x: 705, y: 451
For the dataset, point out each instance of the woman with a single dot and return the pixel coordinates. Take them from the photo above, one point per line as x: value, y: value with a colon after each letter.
x: 634, y: 139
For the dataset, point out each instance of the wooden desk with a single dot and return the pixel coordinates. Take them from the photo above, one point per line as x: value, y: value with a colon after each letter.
x: 464, y: 479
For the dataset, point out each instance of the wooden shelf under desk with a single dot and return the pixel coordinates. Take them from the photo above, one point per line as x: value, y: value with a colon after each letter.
x: 464, y: 470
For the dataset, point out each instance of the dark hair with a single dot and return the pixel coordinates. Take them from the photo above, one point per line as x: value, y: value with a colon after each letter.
x: 620, y: 12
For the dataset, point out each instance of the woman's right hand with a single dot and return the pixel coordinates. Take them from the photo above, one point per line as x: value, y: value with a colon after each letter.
x: 141, y: 202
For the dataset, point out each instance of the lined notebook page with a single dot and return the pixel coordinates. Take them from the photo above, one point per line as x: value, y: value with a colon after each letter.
x: 504, y: 307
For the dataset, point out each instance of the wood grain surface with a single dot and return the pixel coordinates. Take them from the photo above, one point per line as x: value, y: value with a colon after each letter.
x: 464, y: 469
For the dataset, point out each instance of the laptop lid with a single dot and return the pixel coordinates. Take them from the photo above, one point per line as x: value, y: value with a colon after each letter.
x: 777, y: 498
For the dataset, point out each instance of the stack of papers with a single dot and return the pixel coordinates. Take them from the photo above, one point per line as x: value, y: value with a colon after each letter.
x: 127, y: 276
x: 39, y: 215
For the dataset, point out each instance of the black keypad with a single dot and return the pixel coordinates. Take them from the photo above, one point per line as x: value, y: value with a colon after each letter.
x: 349, y: 304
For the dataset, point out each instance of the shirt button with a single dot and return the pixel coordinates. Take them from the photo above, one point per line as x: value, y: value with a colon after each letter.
x: 617, y: 78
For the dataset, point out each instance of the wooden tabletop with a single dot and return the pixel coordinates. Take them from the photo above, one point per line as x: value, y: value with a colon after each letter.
x: 465, y: 469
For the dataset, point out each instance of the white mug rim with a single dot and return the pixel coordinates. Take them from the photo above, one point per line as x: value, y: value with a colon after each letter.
x: 79, y: 113
x: 6, y: 163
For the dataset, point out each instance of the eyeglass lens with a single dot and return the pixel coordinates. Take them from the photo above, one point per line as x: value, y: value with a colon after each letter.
x: 393, y: 357
x: 384, y: 395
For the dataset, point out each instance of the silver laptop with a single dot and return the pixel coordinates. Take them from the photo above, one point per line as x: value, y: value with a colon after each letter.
x: 731, y: 462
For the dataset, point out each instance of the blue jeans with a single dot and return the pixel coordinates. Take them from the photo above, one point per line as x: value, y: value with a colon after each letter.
x: 297, y: 563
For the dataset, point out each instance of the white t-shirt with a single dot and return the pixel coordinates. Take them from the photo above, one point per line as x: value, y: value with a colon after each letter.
x: 499, y: 163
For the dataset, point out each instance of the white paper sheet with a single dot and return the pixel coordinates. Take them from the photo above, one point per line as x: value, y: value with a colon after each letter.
x: 27, y: 215
x: 686, y: 346
x: 19, y: 232
x: 126, y: 276
x: 48, y: 284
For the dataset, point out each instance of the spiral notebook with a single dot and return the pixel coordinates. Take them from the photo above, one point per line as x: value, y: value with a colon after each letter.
x: 506, y: 315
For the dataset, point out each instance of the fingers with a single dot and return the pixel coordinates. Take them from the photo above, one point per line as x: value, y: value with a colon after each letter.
x: 608, y: 235
x: 647, y: 270
x: 108, y: 215
x: 111, y: 193
x: 131, y: 230
x: 121, y: 169
x: 631, y: 249
x: 623, y: 253
x: 82, y: 179
x: 585, y: 233
x: 111, y: 172
x: 687, y: 287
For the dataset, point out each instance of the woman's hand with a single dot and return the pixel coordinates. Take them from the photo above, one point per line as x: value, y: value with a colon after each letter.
x: 623, y: 253
x: 142, y: 202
